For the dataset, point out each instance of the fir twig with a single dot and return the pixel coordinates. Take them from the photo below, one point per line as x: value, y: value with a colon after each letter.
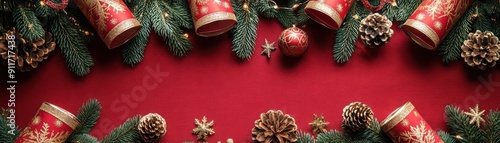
x: 266, y: 9
x: 450, y: 46
x: 348, y: 34
x: 447, y: 138
x: 74, y: 50
x: 305, y: 138
x: 182, y: 14
x: 245, y: 32
x: 44, y: 11
x: 133, y: 51
x: 493, y: 127
x: 27, y: 24
x: 82, y: 138
x: 126, y: 133
x: 87, y: 117
x: 6, y: 136
x: 166, y: 28
x: 458, y: 123
x: 332, y: 137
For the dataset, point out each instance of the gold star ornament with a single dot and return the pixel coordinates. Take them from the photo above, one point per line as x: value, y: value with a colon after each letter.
x: 267, y: 49
x: 203, y: 129
x: 318, y: 124
x: 476, y: 116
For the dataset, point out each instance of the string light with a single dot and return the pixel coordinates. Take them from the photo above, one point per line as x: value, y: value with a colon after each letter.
x: 245, y: 6
x: 186, y: 35
x: 42, y: 3
x: 394, y: 4
x: 294, y: 7
x: 165, y: 15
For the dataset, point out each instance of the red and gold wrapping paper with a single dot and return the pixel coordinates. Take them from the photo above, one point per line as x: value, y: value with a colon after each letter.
x: 329, y: 13
x: 51, y: 124
x: 433, y: 19
x: 212, y: 17
x: 405, y: 125
x: 112, y: 19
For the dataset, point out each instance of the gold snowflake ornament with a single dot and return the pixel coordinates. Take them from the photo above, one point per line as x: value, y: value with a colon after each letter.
x: 267, y: 49
x: 476, y: 116
x: 203, y: 129
x: 318, y: 124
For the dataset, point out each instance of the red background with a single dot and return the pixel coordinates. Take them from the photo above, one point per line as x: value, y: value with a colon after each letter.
x: 212, y: 82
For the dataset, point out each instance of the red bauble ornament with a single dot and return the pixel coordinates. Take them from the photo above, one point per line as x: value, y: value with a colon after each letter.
x: 293, y: 42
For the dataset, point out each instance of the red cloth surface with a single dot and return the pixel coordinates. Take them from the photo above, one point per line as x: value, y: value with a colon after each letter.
x: 212, y: 82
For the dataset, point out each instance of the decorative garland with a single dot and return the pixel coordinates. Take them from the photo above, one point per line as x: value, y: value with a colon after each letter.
x: 170, y: 20
x: 359, y: 125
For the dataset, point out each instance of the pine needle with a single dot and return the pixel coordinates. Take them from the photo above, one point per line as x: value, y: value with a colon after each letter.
x: 347, y: 35
x: 166, y: 28
x: 74, y: 50
x: 27, y: 24
x: 493, y: 127
x: 305, y: 138
x: 126, y: 133
x: 245, y: 32
x: 450, y: 46
x: 5, y: 136
x: 133, y: 50
x: 447, y: 138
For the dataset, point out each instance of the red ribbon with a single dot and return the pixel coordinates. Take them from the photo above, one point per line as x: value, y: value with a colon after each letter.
x: 379, y: 7
x: 57, y: 6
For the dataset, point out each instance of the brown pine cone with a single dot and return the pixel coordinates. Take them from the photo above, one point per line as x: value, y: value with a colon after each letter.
x: 275, y: 127
x: 481, y: 49
x: 375, y: 30
x: 357, y: 117
x: 152, y: 127
x: 27, y: 53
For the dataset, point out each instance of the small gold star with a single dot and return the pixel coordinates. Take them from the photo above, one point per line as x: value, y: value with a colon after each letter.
x: 476, y: 116
x: 267, y: 49
x: 319, y: 124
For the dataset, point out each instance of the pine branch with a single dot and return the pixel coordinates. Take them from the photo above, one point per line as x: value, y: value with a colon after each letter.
x: 286, y: 17
x: 302, y: 18
x: 181, y: 13
x: 87, y: 117
x: 483, y: 21
x: 305, y: 138
x: 245, y: 32
x: 126, y: 133
x: 133, y: 51
x: 332, y: 137
x: 27, y: 24
x: 44, y: 11
x: 266, y: 9
x: 458, y: 124
x: 74, y: 50
x: 450, y: 46
x: 6, y: 136
x: 447, y: 138
x: 347, y: 35
x: 493, y: 127
x: 82, y: 138
x: 406, y: 9
x: 166, y: 28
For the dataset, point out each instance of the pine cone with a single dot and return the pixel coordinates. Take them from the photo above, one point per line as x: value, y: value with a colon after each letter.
x: 152, y: 127
x: 357, y: 117
x: 275, y: 127
x: 27, y: 52
x: 375, y: 30
x: 481, y: 49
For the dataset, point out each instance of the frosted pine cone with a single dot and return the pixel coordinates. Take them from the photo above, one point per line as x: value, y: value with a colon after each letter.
x: 481, y: 49
x: 375, y: 30
x: 275, y: 127
x: 356, y: 117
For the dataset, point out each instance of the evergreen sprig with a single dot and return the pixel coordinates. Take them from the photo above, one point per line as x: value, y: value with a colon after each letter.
x: 369, y: 135
x: 81, y: 138
x: 450, y: 46
x: 348, y: 34
x: 72, y: 46
x: 245, y: 32
x: 87, y: 117
x: 401, y: 11
x: 492, y: 131
x: 305, y: 138
x: 126, y: 133
x: 447, y: 138
x: 27, y: 24
x: 165, y: 18
x: 458, y: 124
x: 5, y: 136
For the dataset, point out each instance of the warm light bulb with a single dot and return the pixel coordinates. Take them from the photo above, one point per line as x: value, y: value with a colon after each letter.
x: 295, y: 6
x: 186, y: 35
x: 165, y: 15
x: 245, y: 6
x: 394, y: 3
x: 42, y: 3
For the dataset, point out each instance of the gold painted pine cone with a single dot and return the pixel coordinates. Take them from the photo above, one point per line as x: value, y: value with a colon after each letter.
x: 356, y: 117
x: 481, y: 49
x: 27, y: 53
x: 275, y: 127
x: 152, y: 127
x: 375, y: 30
